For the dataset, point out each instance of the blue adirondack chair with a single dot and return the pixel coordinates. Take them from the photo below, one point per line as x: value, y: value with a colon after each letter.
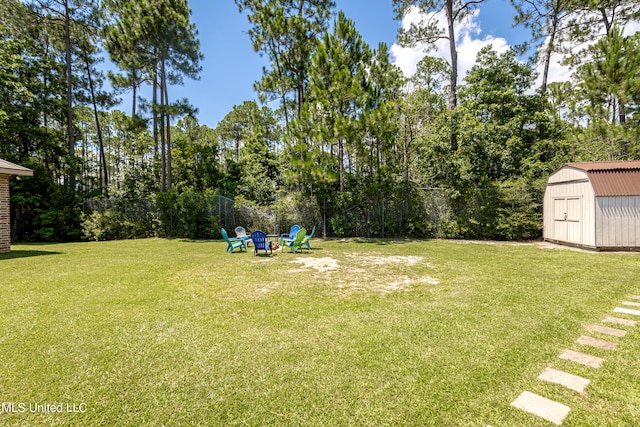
x: 233, y: 242
x: 260, y: 242
x: 307, y: 238
x: 296, y: 243
x: 292, y: 234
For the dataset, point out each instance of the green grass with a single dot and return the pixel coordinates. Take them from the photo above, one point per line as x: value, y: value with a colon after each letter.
x: 174, y: 332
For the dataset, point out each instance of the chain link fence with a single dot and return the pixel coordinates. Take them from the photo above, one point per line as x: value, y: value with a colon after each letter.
x: 499, y: 213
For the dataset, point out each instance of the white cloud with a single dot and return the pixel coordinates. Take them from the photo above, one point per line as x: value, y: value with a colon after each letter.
x: 467, y: 38
x: 557, y: 71
x: 562, y: 73
x: 469, y: 42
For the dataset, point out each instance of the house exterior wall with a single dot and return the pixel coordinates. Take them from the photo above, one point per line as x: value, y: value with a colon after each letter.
x: 5, y: 224
x: 568, y: 208
x: 618, y: 222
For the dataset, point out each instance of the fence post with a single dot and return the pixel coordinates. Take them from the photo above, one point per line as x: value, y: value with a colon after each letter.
x: 324, y: 219
x: 383, y: 217
x: 275, y: 219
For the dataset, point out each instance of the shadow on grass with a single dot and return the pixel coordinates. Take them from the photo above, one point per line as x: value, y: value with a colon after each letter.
x: 186, y: 240
x: 375, y: 241
x: 26, y: 254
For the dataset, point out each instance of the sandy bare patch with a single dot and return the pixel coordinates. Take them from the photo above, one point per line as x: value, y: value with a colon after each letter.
x: 263, y: 259
x: 429, y: 280
x: 296, y: 270
x: 382, y: 260
x: 320, y: 264
x: 401, y: 284
x: 268, y: 288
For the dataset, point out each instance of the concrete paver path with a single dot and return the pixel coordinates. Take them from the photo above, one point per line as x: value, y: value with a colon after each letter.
x: 582, y: 358
x: 574, y: 382
x: 545, y: 408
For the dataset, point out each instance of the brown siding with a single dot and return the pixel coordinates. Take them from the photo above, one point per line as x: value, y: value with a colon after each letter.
x: 5, y: 225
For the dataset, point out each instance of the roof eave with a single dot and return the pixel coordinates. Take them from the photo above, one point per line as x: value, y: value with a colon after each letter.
x: 19, y: 172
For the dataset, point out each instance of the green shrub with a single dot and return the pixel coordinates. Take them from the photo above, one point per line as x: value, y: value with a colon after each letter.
x: 196, y: 217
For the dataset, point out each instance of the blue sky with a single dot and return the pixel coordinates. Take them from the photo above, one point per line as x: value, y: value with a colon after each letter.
x: 230, y: 66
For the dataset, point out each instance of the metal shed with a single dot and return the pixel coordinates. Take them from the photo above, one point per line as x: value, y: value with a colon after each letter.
x: 6, y: 170
x: 594, y: 205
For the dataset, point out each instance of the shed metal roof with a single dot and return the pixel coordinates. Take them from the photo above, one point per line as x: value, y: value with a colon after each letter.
x: 620, y: 178
x: 9, y: 168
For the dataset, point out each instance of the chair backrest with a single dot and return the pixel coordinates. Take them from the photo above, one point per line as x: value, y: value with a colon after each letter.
x: 240, y: 232
x: 313, y: 232
x: 259, y: 239
x: 293, y: 231
x: 299, y: 237
x: 225, y: 236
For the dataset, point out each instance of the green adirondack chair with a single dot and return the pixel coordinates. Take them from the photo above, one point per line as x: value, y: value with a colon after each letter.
x: 305, y: 241
x: 286, y: 238
x: 233, y: 242
x: 296, y: 243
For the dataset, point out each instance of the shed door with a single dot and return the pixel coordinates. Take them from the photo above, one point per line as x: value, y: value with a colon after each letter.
x: 567, y: 214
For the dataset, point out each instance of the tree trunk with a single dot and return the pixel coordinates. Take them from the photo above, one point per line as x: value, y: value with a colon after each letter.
x: 605, y: 20
x: 453, y: 98
x: 405, y: 170
x: 103, y: 160
x: 283, y: 92
x: 154, y: 112
x: 167, y: 126
x: 547, y: 54
x: 135, y: 94
x: 70, y: 138
x: 341, y: 160
x: 163, y: 154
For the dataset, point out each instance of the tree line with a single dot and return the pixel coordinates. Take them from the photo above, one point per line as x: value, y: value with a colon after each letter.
x: 337, y: 135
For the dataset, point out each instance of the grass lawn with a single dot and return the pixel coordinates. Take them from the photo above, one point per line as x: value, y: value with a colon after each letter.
x: 430, y: 333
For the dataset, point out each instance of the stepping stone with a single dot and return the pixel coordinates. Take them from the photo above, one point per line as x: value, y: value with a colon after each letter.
x: 571, y: 381
x: 626, y: 311
x: 542, y: 407
x: 581, y: 358
x: 594, y: 342
x: 625, y: 322
x: 634, y: 296
x: 608, y: 331
x: 631, y: 303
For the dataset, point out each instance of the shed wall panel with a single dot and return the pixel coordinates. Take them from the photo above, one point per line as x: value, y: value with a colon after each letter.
x: 618, y: 221
x: 567, y: 174
x: 571, y: 188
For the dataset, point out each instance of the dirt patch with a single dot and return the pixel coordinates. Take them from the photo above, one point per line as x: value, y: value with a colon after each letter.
x: 401, y: 284
x: 320, y: 264
x: 362, y: 266
x: 382, y: 260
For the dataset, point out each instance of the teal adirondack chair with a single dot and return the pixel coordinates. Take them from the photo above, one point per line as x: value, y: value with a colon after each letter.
x: 305, y: 241
x: 284, y: 238
x: 233, y: 242
x: 296, y: 243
